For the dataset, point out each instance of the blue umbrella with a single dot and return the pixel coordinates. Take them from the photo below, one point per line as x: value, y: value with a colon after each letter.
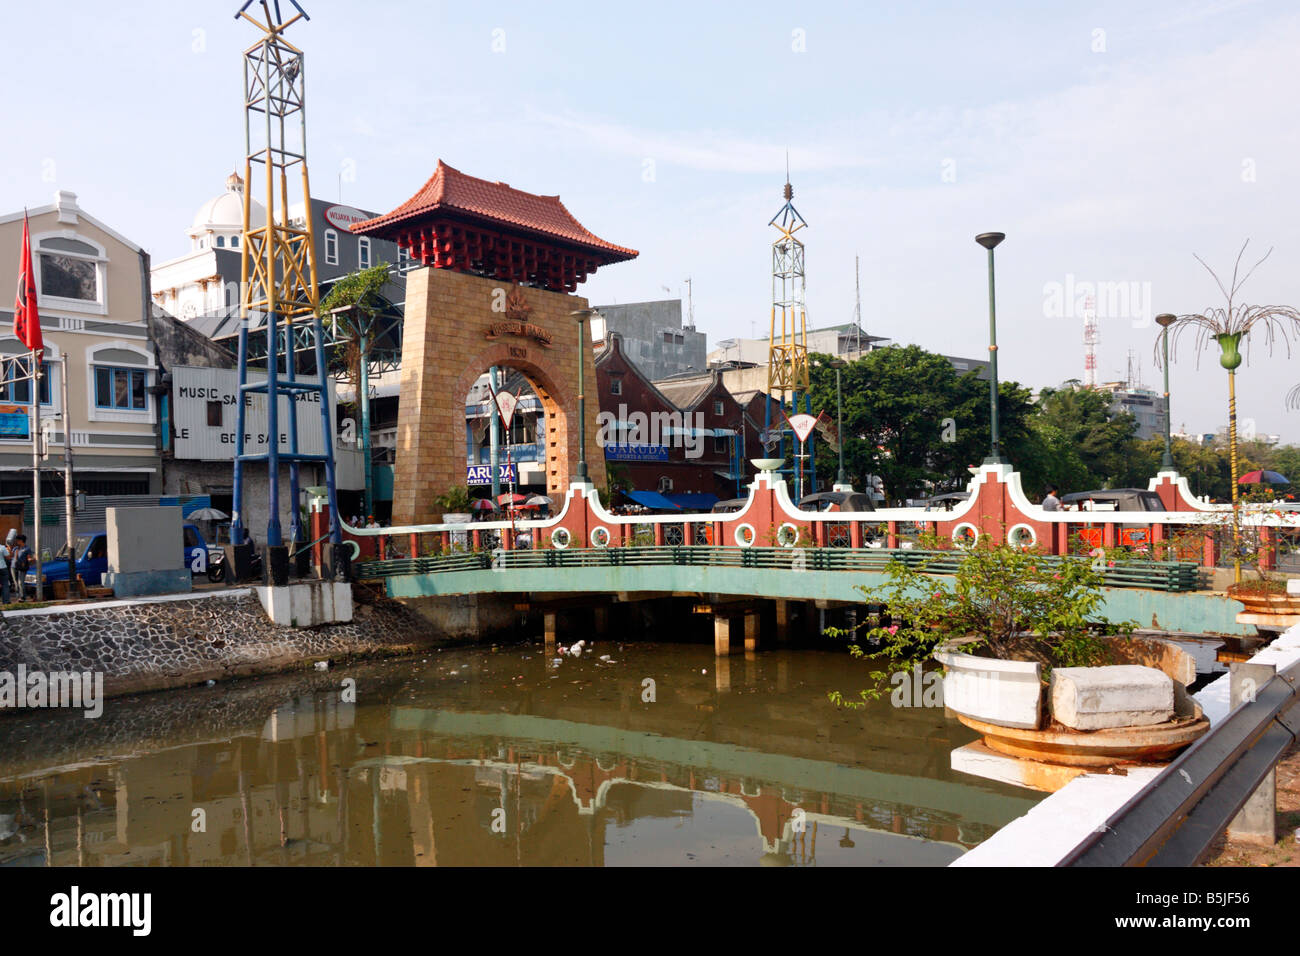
x: 1262, y: 478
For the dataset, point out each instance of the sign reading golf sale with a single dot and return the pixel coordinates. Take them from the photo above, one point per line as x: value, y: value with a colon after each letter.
x: 206, y: 410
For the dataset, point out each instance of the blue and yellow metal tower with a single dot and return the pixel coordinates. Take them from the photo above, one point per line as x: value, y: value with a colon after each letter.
x: 787, y: 359
x: 278, y: 288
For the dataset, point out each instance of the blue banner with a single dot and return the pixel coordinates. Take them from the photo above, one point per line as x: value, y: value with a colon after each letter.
x: 15, y: 422
x: 637, y: 452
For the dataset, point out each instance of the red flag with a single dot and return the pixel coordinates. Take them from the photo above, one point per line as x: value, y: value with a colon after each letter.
x: 27, y: 322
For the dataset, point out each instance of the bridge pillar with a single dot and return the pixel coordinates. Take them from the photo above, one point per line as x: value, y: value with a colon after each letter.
x: 782, y: 621
x: 751, y: 631
x: 548, y: 632
x: 721, y: 635
x: 600, y: 617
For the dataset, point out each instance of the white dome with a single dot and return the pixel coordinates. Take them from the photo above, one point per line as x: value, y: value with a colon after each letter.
x: 225, y: 213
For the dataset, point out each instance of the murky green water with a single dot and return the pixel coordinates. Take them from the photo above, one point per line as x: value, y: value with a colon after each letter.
x: 659, y: 756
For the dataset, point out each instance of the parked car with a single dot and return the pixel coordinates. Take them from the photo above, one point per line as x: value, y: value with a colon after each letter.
x: 1115, y: 499
x: 837, y: 501
x: 91, y: 550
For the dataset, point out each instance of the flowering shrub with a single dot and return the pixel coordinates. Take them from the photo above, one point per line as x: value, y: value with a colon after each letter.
x: 1002, y: 601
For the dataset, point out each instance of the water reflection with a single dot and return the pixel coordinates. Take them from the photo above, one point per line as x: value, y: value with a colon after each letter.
x: 500, y: 758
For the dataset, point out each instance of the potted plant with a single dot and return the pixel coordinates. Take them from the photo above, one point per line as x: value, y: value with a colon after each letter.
x: 1003, y: 625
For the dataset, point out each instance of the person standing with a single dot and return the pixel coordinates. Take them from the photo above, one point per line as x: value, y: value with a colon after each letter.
x: 5, y: 580
x: 19, y: 562
x: 1050, y: 501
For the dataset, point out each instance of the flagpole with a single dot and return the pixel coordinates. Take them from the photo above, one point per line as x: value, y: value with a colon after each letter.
x: 36, y: 473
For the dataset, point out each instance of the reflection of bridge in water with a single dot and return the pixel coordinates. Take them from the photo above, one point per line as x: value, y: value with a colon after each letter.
x: 322, y: 782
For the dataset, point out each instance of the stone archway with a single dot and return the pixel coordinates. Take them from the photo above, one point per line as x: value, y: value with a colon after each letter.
x: 456, y: 326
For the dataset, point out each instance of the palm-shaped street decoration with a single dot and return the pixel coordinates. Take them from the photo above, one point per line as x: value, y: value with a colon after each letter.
x: 1228, y: 326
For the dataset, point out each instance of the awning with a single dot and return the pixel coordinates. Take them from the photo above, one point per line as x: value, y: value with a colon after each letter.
x: 728, y: 476
x: 723, y: 432
x: 694, y: 500
x: 652, y: 499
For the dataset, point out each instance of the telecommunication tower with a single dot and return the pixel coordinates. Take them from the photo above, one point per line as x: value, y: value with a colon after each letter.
x: 278, y: 287
x: 1091, y: 336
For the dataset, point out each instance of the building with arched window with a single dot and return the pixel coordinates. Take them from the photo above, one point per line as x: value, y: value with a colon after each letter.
x: 93, y: 299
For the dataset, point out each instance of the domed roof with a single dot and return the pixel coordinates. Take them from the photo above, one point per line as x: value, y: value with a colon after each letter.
x: 225, y: 213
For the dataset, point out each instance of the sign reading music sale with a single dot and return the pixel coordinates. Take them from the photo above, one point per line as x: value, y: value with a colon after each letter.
x: 205, y: 411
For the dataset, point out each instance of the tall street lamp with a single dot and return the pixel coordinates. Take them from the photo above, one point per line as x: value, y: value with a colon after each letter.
x: 990, y: 240
x: 581, y: 315
x: 1164, y: 320
x: 837, y: 364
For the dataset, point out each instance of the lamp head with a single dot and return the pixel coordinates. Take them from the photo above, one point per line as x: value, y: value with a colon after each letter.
x: 1165, y: 319
x: 990, y: 239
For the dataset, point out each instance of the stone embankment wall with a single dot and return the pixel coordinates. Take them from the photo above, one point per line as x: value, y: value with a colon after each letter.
x: 161, y: 643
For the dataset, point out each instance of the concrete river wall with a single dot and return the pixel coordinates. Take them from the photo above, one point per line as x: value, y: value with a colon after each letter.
x: 154, y: 644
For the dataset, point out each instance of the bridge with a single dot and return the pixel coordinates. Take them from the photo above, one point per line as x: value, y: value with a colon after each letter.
x: 1157, y: 566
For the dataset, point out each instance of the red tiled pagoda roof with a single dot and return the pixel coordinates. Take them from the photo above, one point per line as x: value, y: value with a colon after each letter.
x: 449, y: 191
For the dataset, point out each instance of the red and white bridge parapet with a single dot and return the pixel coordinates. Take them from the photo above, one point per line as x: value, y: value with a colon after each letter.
x: 996, y: 509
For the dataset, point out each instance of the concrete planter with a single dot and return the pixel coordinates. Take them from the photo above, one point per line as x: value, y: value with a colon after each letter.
x: 1022, y: 743
x: 1006, y: 693
x: 1276, y: 611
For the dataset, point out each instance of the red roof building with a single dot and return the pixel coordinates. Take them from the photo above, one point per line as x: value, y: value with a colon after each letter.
x: 460, y: 222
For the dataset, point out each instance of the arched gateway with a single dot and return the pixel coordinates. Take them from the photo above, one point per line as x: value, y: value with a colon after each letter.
x: 498, y: 267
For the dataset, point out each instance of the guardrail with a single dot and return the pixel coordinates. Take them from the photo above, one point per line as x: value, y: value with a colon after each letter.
x: 1175, y: 818
x: 1153, y: 575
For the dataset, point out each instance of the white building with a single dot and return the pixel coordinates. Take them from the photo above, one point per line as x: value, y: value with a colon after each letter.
x: 205, y: 279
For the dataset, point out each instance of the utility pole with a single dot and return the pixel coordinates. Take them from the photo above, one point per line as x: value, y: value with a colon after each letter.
x: 69, y: 497
x: 857, y: 304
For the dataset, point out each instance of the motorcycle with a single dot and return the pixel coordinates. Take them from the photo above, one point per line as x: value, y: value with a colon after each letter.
x: 217, y: 566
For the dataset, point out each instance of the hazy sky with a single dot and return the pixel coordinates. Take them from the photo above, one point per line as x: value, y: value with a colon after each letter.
x: 1109, y: 141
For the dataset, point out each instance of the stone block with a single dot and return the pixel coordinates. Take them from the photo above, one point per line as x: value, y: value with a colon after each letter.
x: 1124, y: 695
x: 308, y: 603
x: 144, y: 539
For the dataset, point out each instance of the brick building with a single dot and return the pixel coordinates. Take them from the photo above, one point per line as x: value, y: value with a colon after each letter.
x: 689, y: 442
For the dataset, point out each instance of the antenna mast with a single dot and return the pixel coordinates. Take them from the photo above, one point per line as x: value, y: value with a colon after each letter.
x: 1091, y: 336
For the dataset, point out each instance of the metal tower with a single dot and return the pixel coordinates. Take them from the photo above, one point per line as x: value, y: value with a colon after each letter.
x: 787, y: 362
x: 787, y: 355
x: 1091, y: 336
x: 278, y: 265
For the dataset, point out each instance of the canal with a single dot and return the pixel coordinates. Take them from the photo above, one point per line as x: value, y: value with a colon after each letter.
x: 632, y: 754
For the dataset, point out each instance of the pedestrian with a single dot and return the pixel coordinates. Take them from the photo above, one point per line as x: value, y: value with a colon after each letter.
x: 20, y: 561
x: 1050, y: 501
x: 4, y: 573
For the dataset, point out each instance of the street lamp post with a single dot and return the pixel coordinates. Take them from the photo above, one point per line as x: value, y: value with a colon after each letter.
x: 1164, y: 320
x: 582, y: 315
x: 990, y: 240
x: 837, y: 364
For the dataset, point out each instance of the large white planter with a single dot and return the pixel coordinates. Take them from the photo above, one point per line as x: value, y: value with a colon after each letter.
x: 1008, y: 693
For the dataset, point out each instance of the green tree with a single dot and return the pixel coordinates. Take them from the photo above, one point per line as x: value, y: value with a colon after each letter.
x: 912, y: 419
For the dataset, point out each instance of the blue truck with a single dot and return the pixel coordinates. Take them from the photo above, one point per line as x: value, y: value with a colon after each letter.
x: 92, y: 558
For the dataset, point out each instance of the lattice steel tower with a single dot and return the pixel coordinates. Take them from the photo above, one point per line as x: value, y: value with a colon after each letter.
x: 278, y: 267
x: 787, y: 354
x: 787, y: 361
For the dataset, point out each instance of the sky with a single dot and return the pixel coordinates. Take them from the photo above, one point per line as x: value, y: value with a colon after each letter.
x: 1112, y: 143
